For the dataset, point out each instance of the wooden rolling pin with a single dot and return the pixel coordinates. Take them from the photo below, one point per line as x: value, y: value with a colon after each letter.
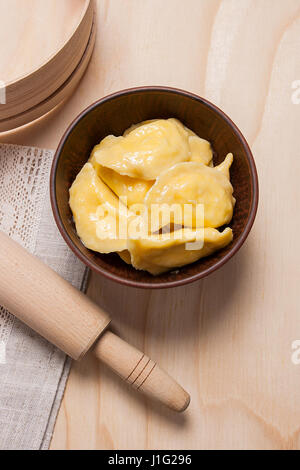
x: 48, y: 304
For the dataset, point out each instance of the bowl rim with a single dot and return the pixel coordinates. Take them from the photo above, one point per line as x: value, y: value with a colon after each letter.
x: 167, y: 284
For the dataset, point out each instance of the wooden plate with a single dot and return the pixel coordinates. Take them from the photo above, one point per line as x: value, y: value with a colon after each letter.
x: 45, y: 42
x: 60, y: 95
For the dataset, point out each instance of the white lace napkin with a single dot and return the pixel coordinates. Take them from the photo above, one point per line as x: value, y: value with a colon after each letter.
x: 33, y: 373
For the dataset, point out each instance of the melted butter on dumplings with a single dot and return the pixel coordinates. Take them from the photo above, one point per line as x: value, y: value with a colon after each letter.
x: 147, y: 150
x: 156, y: 162
x: 104, y: 144
x: 135, y: 126
x: 96, y: 209
x: 224, y: 167
x: 201, y: 150
x: 160, y: 253
x: 194, y: 184
x: 134, y: 189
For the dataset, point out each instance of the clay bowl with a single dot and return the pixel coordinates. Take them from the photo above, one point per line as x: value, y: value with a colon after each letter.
x: 115, y: 113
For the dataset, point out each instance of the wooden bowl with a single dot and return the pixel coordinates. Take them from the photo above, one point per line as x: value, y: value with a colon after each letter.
x: 47, y: 41
x: 115, y: 113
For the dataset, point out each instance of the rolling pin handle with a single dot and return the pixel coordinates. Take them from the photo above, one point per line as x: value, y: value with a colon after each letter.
x: 139, y: 371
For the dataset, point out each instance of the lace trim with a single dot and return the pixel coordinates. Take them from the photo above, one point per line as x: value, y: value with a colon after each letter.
x: 24, y: 174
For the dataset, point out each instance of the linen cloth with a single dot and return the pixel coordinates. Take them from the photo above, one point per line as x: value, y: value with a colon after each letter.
x: 33, y: 373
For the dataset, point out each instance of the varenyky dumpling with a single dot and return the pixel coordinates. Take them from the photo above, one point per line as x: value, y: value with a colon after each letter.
x: 155, y: 163
x: 160, y: 253
x: 224, y: 167
x: 135, y: 126
x: 200, y: 150
x: 147, y: 150
x: 134, y: 189
x: 125, y: 256
x: 194, y: 184
x: 96, y: 213
x: 105, y: 143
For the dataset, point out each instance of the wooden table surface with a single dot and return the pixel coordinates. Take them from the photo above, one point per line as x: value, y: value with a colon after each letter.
x: 228, y: 339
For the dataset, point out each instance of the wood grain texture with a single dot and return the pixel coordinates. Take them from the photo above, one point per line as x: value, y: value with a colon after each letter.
x: 227, y: 338
x: 33, y: 23
x: 41, y: 71
x: 60, y: 95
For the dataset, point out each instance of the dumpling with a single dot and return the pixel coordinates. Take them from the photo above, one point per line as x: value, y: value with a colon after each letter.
x: 97, y: 213
x: 105, y: 143
x: 194, y: 184
x: 201, y: 150
x: 134, y: 189
x: 154, y: 197
x: 147, y: 150
x: 135, y: 126
x: 125, y: 256
x: 160, y: 253
x: 224, y: 167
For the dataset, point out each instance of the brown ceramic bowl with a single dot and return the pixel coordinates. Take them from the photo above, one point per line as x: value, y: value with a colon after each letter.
x: 115, y: 113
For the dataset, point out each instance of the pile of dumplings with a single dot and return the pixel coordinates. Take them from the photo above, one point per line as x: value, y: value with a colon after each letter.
x: 154, y: 163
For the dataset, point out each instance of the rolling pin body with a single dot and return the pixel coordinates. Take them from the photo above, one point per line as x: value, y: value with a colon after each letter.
x: 39, y: 297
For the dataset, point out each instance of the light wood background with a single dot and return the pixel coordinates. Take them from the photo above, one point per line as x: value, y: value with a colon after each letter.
x: 227, y: 338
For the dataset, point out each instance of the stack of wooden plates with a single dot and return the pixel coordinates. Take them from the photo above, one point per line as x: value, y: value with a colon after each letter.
x: 46, y: 47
